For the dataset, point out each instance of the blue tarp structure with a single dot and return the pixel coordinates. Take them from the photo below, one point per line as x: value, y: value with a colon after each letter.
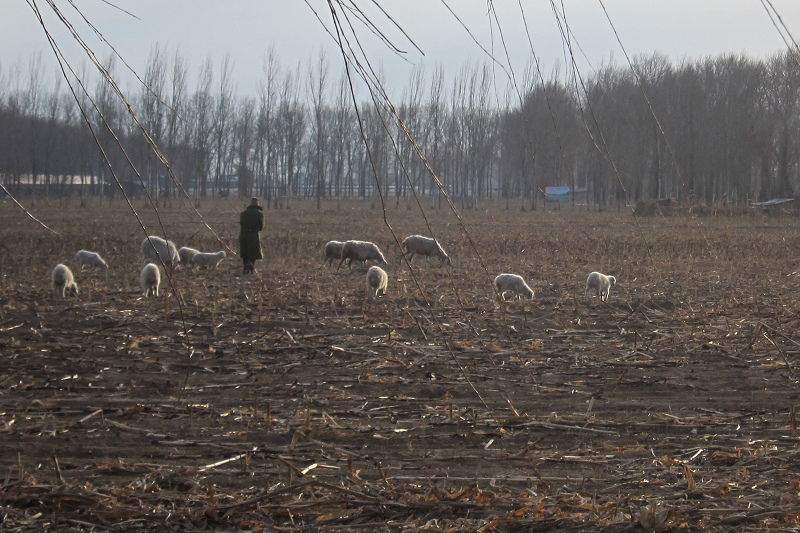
x: 773, y: 206
x: 557, y: 194
x: 774, y: 201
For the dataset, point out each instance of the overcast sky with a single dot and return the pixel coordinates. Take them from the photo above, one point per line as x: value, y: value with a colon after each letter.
x: 201, y: 29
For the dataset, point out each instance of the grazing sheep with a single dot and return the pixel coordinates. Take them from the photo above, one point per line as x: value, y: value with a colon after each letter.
x: 205, y: 259
x: 185, y: 254
x: 601, y: 284
x: 419, y: 244
x: 333, y: 250
x: 361, y: 251
x: 153, y: 247
x: 151, y: 279
x: 512, y: 283
x: 377, y: 280
x: 63, y: 281
x: 85, y: 257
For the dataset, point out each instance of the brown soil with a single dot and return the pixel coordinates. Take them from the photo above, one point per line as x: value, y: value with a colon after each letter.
x: 288, y: 400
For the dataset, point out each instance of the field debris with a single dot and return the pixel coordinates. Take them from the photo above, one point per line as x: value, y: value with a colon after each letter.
x: 281, y: 403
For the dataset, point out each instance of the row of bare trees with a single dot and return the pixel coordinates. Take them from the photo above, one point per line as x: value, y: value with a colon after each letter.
x: 721, y: 129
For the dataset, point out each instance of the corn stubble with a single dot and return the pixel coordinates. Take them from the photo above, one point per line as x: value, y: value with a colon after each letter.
x: 282, y: 400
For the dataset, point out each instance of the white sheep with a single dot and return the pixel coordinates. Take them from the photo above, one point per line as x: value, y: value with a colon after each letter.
x: 151, y: 279
x: 512, y: 283
x: 205, y: 259
x: 601, y: 284
x: 85, y: 257
x: 64, y: 281
x: 153, y: 247
x: 377, y: 280
x: 361, y: 251
x: 419, y: 244
x: 333, y: 250
x: 185, y: 254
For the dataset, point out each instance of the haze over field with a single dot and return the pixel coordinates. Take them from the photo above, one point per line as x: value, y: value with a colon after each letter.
x: 202, y: 29
x: 251, y: 98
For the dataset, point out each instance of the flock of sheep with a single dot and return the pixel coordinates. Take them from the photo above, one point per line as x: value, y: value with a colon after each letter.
x: 155, y: 251
x: 377, y: 279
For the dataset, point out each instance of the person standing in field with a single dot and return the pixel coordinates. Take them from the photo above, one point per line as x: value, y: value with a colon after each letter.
x: 251, y: 222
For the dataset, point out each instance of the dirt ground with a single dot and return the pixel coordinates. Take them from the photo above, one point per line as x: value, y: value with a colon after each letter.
x: 289, y: 401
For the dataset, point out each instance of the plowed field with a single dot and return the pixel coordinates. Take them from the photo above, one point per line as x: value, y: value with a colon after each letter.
x: 290, y: 401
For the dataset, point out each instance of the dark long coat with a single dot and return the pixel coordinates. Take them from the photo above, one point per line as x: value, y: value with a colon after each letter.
x: 251, y: 222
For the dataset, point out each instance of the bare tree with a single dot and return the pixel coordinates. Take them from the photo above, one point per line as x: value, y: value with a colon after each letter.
x: 317, y: 81
x: 410, y: 112
x: 32, y: 102
x: 266, y: 148
x: 342, y: 141
x: 292, y: 128
x: 110, y: 126
x: 222, y: 120
x: 434, y: 129
x: 51, y: 142
x: 153, y: 118
x: 202, y: 127
x: 479, y: 134
x: 780, y: 163
x: 243, y: 142
x: 454, y: 173
x: 176, y: 121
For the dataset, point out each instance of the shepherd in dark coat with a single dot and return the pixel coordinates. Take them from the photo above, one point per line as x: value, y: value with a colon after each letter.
x: 251, y: 222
